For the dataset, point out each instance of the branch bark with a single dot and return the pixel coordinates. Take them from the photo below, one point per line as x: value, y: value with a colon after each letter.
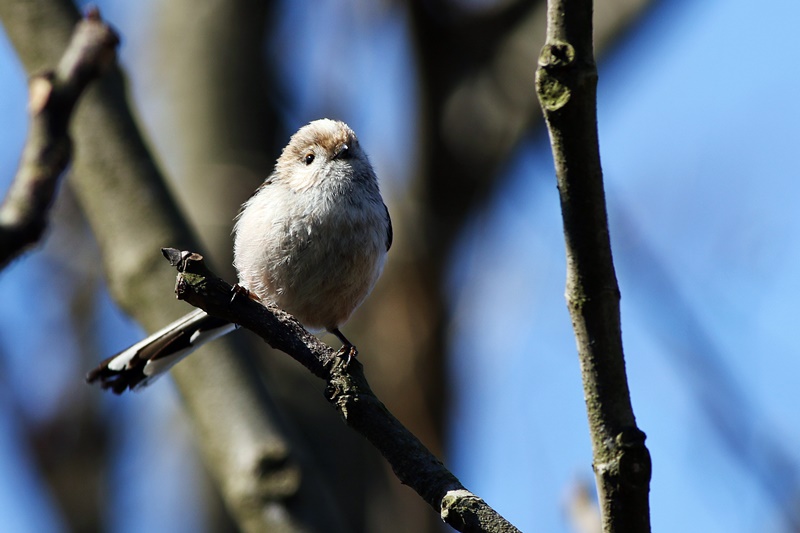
x: 347, y: 389
x: 52, y: 96
x: 566, y: 82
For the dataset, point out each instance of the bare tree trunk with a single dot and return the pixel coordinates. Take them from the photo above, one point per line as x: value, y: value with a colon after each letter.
x: 210, y: 109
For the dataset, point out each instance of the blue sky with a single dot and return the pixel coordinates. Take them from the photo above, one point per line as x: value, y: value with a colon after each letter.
x: 699, y: 122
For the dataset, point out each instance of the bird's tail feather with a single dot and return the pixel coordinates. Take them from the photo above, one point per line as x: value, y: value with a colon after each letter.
x: 148, y: 359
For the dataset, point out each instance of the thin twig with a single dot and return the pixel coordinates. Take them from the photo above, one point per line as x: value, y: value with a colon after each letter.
x: 347, y: 389
x: 52, y: 97
x: 566, y: 83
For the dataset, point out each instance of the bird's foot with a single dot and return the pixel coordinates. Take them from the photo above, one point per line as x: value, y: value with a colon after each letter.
x: 349, y: 351
x: 241, y: 290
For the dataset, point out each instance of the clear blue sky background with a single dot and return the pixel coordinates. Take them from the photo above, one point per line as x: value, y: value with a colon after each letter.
x: 699, y: 121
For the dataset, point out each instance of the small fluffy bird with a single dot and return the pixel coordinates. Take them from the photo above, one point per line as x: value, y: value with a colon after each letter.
x: 312, y: 240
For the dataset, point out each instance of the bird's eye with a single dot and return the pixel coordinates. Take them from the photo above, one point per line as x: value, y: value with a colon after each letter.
x: 309, y: 158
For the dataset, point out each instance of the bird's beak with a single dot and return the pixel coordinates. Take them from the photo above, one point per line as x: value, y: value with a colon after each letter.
x: 343, y: 152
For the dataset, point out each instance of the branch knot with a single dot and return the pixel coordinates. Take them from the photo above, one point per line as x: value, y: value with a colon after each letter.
x: 555, y: 61
x: 556, y: 55
x: 634, y: 458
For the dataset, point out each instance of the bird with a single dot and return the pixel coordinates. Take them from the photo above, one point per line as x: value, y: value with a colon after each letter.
x: 312, y: 240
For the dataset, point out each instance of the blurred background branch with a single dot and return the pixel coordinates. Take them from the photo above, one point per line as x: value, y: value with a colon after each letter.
x: 52, y: 96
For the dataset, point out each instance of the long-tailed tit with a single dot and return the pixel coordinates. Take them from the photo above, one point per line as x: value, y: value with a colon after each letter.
x: 312, y: 240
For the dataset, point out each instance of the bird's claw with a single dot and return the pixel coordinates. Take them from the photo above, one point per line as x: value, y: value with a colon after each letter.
x: 348, y: 351
x: 241, y: 290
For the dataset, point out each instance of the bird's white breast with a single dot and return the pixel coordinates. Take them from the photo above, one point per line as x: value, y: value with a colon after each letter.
x: 315, y: 253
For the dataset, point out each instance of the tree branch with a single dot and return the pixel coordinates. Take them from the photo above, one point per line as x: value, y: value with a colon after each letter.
x: 347, y: 389
x: 566, y: 82
x: 52, y: 96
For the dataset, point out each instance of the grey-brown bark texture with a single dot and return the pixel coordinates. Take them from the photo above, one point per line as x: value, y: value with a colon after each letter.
x: 566, y: 83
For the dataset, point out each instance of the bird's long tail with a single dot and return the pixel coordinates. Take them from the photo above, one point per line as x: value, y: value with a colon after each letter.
x: 148, y: 359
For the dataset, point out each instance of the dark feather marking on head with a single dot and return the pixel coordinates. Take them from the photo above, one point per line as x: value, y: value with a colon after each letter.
x: 389, y: 231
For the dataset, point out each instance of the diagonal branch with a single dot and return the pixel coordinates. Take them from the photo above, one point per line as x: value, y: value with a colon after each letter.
x: 52, y: 96
x: 347, y: 389
x: 566, y: 83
